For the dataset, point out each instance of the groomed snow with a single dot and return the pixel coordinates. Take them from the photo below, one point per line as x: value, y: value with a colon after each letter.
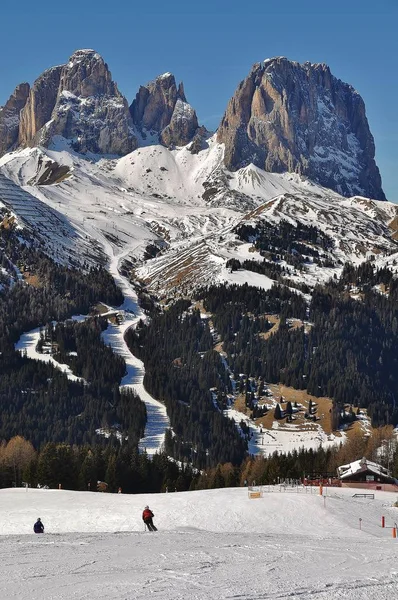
x: 213, y: 544
x: 157, y: 419
x: 27, y: 345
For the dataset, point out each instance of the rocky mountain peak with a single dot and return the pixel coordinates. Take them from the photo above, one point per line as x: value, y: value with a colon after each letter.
x: 161, y: 107
x: 10, y: 117
x: 287, y: 116
x: 80, y: 102
x: 86, y: 74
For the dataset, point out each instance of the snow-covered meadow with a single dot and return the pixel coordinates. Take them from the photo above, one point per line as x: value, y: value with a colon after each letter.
x: 214, y: 544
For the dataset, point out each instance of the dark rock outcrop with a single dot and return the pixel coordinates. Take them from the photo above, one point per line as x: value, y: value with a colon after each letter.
x: 80, y: 102
x: 10, y: 118
x: 40, y: 105
x: 161, y: 108
x: 287, y: 116
x: 89, y: 109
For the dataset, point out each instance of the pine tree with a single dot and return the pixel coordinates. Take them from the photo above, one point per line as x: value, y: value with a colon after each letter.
x: 111, y: 474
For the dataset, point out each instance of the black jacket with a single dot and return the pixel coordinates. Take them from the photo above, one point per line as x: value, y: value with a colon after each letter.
x: 38, y: 527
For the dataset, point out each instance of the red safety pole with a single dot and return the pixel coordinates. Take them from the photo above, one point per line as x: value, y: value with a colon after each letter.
x: 383, y: 521
x: 394, y: 532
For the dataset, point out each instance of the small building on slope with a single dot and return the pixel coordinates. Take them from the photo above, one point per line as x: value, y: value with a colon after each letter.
x: 366, y: 474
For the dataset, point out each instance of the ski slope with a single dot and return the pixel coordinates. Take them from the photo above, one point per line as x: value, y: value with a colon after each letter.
x: 157, y: 419
x: 214, y: 544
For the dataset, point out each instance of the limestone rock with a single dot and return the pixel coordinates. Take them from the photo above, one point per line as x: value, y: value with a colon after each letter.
x: 40, y: 105
x: 199, y: 141
x: 10, y: 118
x: 287, y: 116
x: 90, y: 111
x: 78, y: 101
x: 161, y: 108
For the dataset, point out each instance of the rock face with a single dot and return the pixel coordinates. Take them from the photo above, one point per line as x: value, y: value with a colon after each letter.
x: 89, y: 109
x: 80, y: 102
x: 40, y: 105
x: 10, y: 118
x: 161, y: 108
x: 287, y: 116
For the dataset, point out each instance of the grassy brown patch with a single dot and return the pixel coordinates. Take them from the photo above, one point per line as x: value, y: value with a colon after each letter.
x: 32, y: 279
x: 323, y: 405
x: 276, y: 322
x: 100, y: 308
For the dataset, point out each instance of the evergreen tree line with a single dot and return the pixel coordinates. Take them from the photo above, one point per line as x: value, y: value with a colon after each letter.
x: 82, y: 467
x: 36, y: 399
x: 253, y: 300
x: 350, y: 353
x: 39, y: 402
x: 291, y: 243
x: 180, y: 368
x: 121, y: 466
x: 59, y: 292
x: 80, y: 346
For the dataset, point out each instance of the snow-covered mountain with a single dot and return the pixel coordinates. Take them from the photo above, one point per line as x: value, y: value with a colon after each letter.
x: 181, y: 205
x: 82, y: 169
x: 148, y: 191
x: 188, y: 205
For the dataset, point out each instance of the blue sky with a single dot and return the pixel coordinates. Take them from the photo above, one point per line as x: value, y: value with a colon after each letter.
x: 211, y: 47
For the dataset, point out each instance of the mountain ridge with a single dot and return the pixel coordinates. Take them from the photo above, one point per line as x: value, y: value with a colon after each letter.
x: 284, y: 116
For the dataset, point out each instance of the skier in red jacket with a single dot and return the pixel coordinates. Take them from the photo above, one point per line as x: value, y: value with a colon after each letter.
x: 147, y: 517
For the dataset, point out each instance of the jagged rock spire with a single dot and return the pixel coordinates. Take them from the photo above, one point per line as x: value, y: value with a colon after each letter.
x: 10, y: 118
x: 78, y: 101
x: 162, y: 108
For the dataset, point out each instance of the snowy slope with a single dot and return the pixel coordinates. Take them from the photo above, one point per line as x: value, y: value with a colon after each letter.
x: 211, y: 544
x: 157, y: 419
x: 27, y: 344
x: 58, y: 236
x: 188, y: 204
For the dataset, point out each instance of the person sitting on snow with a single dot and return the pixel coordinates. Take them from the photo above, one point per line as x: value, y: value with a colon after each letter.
x: 147, y: 517
x: 38, y: 527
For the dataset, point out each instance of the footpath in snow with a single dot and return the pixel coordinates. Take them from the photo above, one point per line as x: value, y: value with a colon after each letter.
x: 214, y: 544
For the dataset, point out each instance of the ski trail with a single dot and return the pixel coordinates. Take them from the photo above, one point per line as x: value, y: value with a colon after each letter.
x: 27, y: 344
x: 157, y: 419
